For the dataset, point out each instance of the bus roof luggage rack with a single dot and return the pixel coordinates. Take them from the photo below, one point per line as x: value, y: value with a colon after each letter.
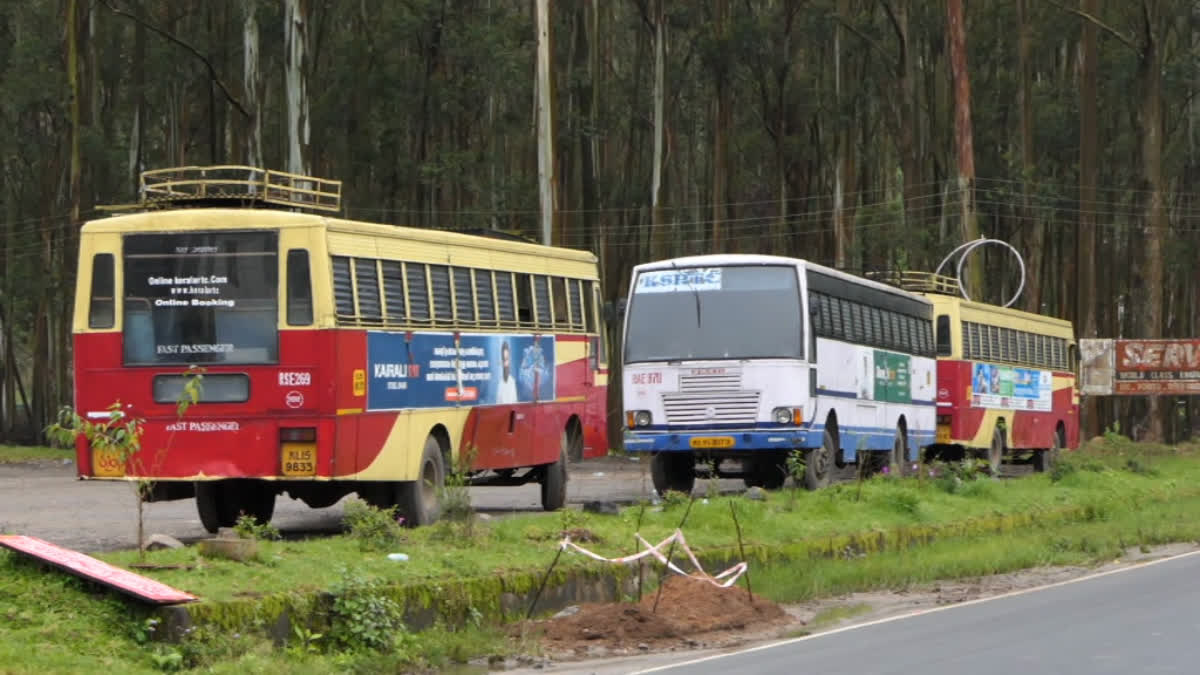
x: 919, y: 282
x: 247, y: 185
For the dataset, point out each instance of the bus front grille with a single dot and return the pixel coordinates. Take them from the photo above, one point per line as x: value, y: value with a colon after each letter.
x: 725, y: 380
x: 711, y: 407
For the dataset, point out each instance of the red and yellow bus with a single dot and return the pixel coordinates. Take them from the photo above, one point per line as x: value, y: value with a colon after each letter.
x: 1006, y: 383
x: 338, y: 356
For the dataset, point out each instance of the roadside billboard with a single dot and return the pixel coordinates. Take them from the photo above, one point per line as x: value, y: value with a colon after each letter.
x: 1140, y: 367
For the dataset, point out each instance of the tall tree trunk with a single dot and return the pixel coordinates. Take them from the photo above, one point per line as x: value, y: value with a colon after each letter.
x: 137, y: 138
x: 905, y: 111
x: 545, y: 135
x: 658, y: 248
x: 842, y: 233
x: 588, y: 94
x: 722, y: 116
x: 1089, y: 176
x: 1154, y: 228
x: 295, y: 38
x: 1037, y: 243
x: 252, y: 85
x: 963, y: 143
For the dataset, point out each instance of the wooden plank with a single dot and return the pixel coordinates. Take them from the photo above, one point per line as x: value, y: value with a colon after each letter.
x: 85, y: 566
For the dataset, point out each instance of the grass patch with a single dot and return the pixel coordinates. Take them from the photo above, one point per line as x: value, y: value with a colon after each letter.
x: 1100, y: 540
x: 1111, y: 502
x: 831, y: 616
x: 526, y: 543
x: 16, y: 454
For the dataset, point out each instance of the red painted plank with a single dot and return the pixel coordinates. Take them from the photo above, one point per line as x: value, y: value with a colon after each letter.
x: 79, y: 564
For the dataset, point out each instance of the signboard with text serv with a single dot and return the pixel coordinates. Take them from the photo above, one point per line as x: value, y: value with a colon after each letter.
x: 1140, y: 367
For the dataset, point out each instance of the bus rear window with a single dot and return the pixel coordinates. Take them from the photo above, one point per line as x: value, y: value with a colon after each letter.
x: 944, y: 348
x: 201, y: 297
x: 100, y: 310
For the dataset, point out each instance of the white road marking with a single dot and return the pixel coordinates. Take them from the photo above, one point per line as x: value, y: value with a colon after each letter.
x: 920, y: 612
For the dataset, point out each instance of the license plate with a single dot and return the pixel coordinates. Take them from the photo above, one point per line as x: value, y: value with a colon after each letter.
x: 107, y: 463
x: 712, y: 442
x: 299, y: 459
x: 943, y: 434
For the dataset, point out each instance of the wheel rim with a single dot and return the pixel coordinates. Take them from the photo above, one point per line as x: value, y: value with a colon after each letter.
x: 820, y: 461
x: 429, y: 485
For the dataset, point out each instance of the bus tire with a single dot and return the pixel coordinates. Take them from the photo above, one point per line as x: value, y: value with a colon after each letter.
x: 419, y: 501
x: 554, y: 482
x: 995, y: 454
x: 214, y: 505
x: 257, y: 501
x: 1044, y: 460
x: 818, y: 462
x: 899, y: 454
x: 673, y: 472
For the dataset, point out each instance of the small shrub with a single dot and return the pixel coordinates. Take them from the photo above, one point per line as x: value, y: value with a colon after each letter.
x: 1061, y: 469
x: 674, y: 498
x: 902, y: 501
x: 1134, y: 465
x: 375, y: 529
x: 247, y: 527
x: 363, y: 617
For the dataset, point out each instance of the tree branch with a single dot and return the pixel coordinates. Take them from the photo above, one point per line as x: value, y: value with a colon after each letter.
x: 867, y: 39
x: 212, y: 71
x: 1125, y: 40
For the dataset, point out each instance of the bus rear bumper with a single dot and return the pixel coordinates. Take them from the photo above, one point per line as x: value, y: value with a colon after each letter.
x: 720, y: 441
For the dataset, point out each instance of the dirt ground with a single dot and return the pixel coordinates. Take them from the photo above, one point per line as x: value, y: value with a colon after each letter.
x: 694, y: 621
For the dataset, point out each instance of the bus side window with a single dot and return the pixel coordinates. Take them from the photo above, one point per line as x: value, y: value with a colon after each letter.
x: 602, y: 339
x: 504, y: 298
x: 558, y: 289
x: 102, y: 310
x: 343, y: 288
x: 418, y: 291
x: 439, y: 284
x: 541, y: 299
x: 524, y: 301
x: 299, y: 288
x: 943, y: 335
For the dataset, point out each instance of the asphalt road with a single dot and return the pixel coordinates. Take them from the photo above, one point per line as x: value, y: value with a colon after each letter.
x: 46, y: 500
x: 1143, y: 619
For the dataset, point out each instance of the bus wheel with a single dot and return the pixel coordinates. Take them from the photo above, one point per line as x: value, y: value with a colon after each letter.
x: 673, y: 471
x: 899, y: 457
x: 818, y: 462
x: 256, y: 501
x: 419, y: 500
x: 996, y: 451
x: 554, y: 481
x: 215, y: 506
x: 1044, y: 460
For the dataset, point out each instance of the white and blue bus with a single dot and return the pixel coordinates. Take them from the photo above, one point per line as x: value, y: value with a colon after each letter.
x: 751, y: 358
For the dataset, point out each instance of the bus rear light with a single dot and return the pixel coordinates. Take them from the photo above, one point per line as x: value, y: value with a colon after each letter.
x: 298, y: 435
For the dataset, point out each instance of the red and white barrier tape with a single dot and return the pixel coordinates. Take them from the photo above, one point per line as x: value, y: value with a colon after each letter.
x: 722, y: 580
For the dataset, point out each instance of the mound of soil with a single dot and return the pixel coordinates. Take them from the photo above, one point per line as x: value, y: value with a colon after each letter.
x: 689, y: 612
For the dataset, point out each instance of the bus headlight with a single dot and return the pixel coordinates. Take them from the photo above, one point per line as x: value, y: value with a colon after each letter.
x: 786, y: 416
x: 637, y: 418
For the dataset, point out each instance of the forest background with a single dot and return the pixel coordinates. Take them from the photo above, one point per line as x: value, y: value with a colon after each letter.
x: 862, y: 134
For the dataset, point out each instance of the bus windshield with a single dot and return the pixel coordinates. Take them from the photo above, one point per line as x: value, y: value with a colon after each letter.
x: 735, y: 312
x: 201, y: 297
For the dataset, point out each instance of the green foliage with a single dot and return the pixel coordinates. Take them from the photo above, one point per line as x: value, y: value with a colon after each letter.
x: 455, y: 493
x: 373, y: 528
x: 247, y: 527
x: 363, y: 617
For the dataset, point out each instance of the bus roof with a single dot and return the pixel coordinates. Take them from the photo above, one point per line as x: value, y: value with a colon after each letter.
x: 720, y: 259
x: 984, y: 313
x: 214, y: 219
